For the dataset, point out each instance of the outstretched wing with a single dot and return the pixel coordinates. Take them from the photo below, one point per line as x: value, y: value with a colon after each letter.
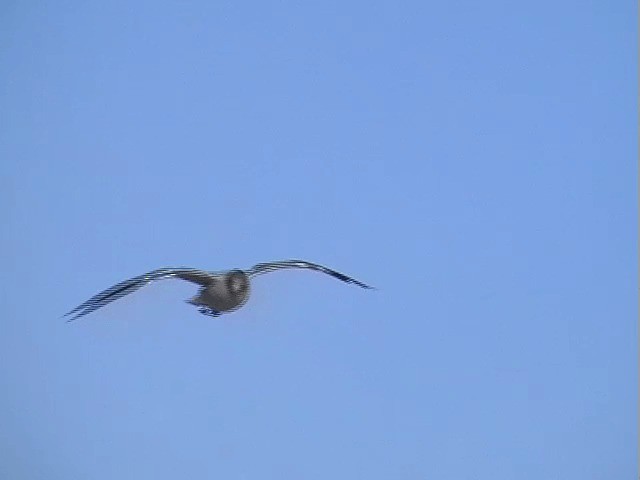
x: 261, y: 268
x: 129, y: 286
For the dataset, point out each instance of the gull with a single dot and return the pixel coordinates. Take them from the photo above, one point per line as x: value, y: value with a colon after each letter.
x: 220, y: 292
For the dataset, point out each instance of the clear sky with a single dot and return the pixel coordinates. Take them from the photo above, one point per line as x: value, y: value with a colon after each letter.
x: 475, y: 161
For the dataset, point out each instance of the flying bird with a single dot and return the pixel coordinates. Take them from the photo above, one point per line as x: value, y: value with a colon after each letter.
x: 220, y: 292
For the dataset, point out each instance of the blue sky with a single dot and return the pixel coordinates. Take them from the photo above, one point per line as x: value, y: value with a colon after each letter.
x: 474, y: 161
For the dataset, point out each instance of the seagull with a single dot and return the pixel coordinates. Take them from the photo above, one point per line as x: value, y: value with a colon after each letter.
x: 220, y: 292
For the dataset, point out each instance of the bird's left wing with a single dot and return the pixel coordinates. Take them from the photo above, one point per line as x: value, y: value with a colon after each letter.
x: 131, y: 285
x: 261, y: 268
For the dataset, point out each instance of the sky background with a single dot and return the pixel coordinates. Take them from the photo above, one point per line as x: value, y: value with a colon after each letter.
x: 474, y: 161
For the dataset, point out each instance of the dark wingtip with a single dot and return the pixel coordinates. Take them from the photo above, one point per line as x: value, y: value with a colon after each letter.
x: 73, y: 311
x: 75, y: 317
x: 360, y: 284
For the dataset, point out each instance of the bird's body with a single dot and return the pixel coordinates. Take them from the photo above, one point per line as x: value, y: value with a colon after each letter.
x: 220, y: 292
x: 224, y: 293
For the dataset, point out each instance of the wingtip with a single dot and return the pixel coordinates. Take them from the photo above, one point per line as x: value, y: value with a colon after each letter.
x: 72, y: 311
x: 72, y: 319
x: 363, y: 285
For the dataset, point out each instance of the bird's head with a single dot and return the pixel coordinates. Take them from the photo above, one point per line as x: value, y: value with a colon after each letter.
x: 237, y: 283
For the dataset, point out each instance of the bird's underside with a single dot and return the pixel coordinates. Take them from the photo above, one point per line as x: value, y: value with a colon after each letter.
x: 220, y: 292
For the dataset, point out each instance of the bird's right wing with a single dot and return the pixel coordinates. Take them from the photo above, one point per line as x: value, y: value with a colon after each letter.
x: 129, y: 286
x: 261, y: 268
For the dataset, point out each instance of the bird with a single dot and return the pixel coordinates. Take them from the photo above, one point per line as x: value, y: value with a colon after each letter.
x: 220, y: 292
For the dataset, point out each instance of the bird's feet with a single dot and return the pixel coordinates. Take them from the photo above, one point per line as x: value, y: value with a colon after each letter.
x: 210, y: 312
